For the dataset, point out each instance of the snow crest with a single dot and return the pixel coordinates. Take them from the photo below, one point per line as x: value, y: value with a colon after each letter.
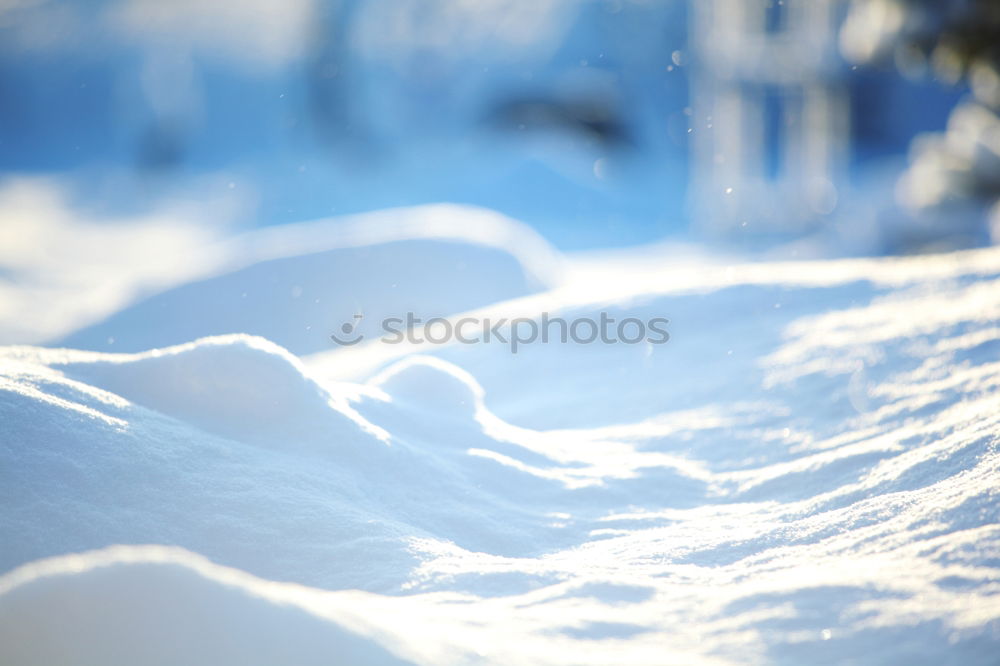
x: 237, y: 386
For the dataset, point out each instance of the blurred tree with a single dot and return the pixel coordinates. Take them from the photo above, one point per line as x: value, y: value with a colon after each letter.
x: 956, y: 173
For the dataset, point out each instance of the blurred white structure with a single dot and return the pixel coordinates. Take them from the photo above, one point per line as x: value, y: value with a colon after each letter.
x: 769, y: 121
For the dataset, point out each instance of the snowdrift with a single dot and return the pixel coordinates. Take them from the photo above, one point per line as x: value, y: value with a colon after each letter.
x: 806, y: 472
x: 154, y: 605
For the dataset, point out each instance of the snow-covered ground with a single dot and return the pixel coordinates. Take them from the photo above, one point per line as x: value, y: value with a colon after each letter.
x: 806, y: 472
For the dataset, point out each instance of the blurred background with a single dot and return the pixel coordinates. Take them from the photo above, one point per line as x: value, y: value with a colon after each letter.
x: 862, y: 127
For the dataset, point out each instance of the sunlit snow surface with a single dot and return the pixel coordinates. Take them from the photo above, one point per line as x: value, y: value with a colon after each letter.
x: 807, y: 472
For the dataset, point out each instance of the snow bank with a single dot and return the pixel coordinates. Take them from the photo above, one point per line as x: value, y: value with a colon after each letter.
x: 297, y: 284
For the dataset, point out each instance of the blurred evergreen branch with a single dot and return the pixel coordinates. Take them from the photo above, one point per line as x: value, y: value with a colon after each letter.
x: 957, y: 41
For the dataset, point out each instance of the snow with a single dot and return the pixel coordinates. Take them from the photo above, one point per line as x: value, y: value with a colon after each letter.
x: 83, y: 268
x: 297, y: 284
x: 237, y: 386
x: 806, y: 472
x: 155, y: 605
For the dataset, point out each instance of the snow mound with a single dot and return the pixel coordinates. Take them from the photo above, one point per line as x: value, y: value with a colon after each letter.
x: 86, y: 468
x: 299, y: 284
x: 428, y: 383
x: 197, y: 445
x: 153, y: 605
x: 236, y: 386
